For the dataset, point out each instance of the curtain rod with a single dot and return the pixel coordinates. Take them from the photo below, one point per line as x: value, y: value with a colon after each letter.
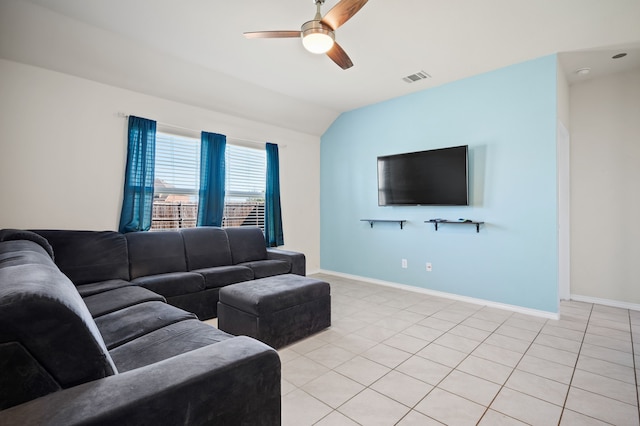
x: 247, y: 141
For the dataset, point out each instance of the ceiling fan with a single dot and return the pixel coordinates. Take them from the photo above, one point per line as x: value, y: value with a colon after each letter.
x: 318, y: 35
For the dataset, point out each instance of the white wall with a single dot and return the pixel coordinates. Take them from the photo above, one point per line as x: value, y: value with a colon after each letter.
x: 605, y: 188
x: 563, y: 97
x: 63, y: 152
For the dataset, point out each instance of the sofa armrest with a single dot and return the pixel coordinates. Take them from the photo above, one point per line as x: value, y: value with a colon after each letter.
x: 236, y: 381
x: 298, y: 260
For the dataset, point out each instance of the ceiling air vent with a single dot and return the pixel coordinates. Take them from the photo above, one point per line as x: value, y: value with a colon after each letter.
x: 415, y: 77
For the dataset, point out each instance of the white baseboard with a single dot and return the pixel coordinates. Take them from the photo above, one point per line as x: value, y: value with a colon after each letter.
x: 606, y: 302
x: 513, y: 308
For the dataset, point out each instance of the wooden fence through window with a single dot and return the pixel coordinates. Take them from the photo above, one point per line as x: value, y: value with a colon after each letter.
x: 176, y: 215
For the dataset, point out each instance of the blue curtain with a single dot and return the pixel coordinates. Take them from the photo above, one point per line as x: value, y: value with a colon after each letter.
x: 212, y: 170
x: 137, y: 205
x: 272, y: 214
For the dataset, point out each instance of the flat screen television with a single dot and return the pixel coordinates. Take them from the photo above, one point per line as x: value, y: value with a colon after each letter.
x: 433, y: 177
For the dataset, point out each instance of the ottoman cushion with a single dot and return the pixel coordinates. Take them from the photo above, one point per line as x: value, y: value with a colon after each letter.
x: 268, y: 295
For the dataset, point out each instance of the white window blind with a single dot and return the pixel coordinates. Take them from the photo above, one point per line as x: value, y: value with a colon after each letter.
x: 245, y: 172
x: 177, y: 164
x: 177, y: 180
x: 245, y: 186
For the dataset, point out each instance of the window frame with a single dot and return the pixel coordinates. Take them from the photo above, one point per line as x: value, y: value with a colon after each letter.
x: 182, y: 219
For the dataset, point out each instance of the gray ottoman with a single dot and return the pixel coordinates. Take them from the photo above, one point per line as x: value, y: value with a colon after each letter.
x: 276, y: 310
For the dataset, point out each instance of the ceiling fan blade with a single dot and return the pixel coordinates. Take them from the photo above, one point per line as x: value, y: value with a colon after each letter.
x: 272, y: 34
x: 340, y: 57
x: 342, y: 12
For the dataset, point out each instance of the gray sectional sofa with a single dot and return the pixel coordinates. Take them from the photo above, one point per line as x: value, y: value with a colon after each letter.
x: 187, y: 267
x: 87, y: 335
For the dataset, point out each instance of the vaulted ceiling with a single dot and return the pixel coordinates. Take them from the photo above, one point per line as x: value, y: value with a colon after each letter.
x: 193, y: 51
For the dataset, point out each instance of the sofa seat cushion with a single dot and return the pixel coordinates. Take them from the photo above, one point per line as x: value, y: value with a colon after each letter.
x: 268, y: 268
x: 86, y: 290
x: 166, y: 342
x: 172, y: 283
x: 126, y: 324
x: 203, y: 304
x: 225, y: 275
x: 110, y: 301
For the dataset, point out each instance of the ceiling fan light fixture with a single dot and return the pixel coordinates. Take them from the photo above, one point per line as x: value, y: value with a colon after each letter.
x: 317, y: 37
x: 318, y: 34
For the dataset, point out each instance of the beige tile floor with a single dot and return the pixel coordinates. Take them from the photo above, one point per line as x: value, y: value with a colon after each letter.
x: 396, y: 357
x: 393, y: 357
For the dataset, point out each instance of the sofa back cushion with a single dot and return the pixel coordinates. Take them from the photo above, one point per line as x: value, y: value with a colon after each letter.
x: 20, y: 252
x: 247, y: 244
x: 206, y: 247
x: 152, y: 253
x: 46, y: 326
x: 20, y: 234
x: 89, y: 256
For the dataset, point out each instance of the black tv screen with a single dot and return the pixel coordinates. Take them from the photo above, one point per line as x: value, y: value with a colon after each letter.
x: 434, y: 177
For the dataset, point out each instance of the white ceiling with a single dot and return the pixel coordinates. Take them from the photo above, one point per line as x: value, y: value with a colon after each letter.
x: 193, y: 51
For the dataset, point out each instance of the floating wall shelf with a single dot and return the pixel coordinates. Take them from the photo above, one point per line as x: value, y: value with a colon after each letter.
x: 437, y: 222
x: 372, y: 221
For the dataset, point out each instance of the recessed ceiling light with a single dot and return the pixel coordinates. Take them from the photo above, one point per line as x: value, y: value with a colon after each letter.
x: 619, y: 55
x: 583, y: 71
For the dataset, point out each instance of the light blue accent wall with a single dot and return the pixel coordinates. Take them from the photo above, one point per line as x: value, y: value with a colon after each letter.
x: 508, y: 119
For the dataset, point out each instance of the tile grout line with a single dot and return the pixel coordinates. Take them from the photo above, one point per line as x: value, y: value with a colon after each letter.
x: 369, y: 386
x: 411, y: 408
x: 590, y: 318
x: 575, y: 366
x: 452, y: 369
x: 365, y: 386
x: 502, y: 386
x: 465, y: 358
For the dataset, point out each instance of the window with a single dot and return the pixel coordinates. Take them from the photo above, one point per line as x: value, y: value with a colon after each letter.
x: 245, y: 186
x: 177, y: 182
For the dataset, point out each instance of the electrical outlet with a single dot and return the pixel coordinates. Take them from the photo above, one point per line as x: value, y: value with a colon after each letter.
x: 404, y: 263
x: 429, y: 267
